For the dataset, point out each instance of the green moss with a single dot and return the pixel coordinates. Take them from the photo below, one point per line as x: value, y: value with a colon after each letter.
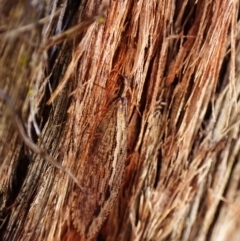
x: 23, y: 60
x: 101, y: 19
x: 30, y: 92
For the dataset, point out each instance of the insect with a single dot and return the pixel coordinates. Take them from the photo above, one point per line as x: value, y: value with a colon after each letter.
x: 103, y: 173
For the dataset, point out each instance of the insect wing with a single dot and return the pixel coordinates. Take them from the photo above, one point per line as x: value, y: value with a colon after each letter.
x: 103, y: 172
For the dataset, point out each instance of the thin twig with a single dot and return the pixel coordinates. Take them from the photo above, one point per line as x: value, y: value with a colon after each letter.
x: 15, y: 32
x: 29, y: 143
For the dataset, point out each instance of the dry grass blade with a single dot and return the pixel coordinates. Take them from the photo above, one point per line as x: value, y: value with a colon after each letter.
x: 68, y: 35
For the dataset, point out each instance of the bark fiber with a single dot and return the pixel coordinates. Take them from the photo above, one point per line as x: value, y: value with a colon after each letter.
x: 181, y: 180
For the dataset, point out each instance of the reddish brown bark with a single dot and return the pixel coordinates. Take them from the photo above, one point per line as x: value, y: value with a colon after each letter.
x: 182, y: 167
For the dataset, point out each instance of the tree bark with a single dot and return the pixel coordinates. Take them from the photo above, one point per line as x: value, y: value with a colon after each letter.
x: 119, y: 120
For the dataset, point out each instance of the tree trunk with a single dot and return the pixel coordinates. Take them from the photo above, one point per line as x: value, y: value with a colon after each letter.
x: 119, y: 120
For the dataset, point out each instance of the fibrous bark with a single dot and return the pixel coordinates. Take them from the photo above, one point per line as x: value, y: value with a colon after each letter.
x: 181, y: 179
